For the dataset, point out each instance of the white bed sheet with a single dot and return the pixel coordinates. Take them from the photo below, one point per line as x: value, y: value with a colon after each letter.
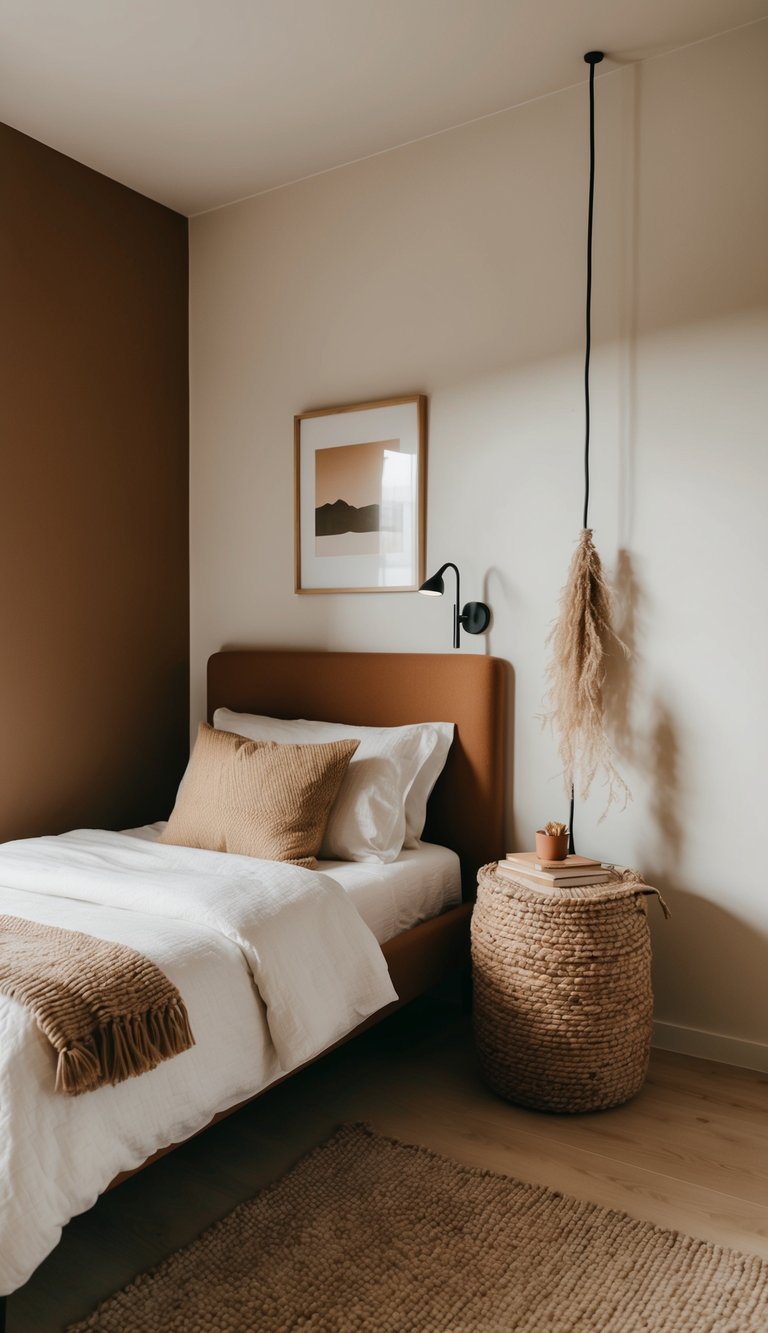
x: 420, y: 884
x: 392, y: 898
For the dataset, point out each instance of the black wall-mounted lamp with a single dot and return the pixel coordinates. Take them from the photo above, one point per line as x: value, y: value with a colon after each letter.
x: 475, y: 616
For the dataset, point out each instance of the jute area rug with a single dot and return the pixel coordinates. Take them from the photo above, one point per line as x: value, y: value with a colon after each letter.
x: 370, y: 1234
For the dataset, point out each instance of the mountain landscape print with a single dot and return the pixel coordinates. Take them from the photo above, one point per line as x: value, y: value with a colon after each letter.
x: 333, y: 519
x: 359, y: 496
x: 349, y: 485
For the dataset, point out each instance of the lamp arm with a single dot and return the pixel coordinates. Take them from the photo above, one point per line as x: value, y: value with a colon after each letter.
x: 456, y: 612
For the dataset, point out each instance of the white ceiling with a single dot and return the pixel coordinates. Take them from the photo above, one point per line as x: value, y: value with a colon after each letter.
x: 201, y: 102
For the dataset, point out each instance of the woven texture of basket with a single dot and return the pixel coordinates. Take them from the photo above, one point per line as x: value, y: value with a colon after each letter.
x: 562, y: 992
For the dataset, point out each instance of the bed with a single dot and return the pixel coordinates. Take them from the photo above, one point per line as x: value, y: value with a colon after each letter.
x: 61, y: 1153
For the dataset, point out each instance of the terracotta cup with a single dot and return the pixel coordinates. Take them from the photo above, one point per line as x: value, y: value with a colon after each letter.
x: 551, y: 846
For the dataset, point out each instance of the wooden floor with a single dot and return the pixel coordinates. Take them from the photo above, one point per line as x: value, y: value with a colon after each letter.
x: 689, y: 1152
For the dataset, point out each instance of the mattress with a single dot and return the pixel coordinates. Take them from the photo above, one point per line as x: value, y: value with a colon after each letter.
x: 392, y: 898
x: 420, y: 884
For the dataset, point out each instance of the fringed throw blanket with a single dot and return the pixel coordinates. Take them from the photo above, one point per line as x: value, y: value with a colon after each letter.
x: 108, y: 1012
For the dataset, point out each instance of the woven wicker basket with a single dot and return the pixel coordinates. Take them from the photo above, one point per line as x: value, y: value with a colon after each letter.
x: 562, y: 992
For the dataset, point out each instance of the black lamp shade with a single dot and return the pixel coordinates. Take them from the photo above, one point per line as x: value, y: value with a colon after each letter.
x: 434, y: 587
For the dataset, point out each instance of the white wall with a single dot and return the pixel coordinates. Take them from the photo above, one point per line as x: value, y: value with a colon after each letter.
x: 454, y: 266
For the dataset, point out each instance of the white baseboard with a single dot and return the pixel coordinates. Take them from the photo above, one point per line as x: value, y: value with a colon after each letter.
x: 711, y: 1046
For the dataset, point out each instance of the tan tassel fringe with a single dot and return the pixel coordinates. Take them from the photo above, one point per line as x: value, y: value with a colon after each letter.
x: 122, y: 1048
x: 577, y: 675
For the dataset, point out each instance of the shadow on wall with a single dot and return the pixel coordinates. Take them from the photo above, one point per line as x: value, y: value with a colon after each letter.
x: 702, y: 942
x: 654, y: 752
x: 663, y: 763
x: 498, y: 591
x: 621, y: 668
x: 708, y: 965
x: 704, y: 952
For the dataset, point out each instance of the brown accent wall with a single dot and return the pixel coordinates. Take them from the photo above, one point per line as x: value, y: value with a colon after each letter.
x: 94, y: 583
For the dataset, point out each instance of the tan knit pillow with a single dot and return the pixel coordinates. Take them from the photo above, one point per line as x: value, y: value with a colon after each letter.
x: 257, y: 798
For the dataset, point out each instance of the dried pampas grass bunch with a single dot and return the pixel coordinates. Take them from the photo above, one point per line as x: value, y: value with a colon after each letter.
x: 576, y: 675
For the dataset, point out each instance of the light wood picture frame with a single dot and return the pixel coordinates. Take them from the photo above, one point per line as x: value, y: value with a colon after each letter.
x: 360, y: 496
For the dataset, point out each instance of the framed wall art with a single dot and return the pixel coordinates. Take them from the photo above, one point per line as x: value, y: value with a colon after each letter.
x: 360, y: 496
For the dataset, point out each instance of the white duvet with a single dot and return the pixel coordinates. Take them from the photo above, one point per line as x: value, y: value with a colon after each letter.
x: 274, y: 965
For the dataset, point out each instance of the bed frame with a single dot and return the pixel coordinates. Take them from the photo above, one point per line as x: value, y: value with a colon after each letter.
x: 466, y: 809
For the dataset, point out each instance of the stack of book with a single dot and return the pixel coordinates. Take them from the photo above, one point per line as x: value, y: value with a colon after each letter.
x: 528, y: 868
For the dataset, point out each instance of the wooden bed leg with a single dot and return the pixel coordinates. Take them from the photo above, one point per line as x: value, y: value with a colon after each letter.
x: 3, y: 1300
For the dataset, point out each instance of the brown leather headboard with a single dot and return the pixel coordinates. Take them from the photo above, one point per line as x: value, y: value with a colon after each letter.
x: 466, y: 809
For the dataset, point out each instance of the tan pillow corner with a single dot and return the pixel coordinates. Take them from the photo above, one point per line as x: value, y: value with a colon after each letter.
x: 257, y: 798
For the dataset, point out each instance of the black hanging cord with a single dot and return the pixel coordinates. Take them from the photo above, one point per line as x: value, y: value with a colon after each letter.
x: 592, y: 58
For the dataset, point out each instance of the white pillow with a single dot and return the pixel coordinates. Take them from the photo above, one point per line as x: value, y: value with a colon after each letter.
x: 382, y: 801
x: 436, y: 742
